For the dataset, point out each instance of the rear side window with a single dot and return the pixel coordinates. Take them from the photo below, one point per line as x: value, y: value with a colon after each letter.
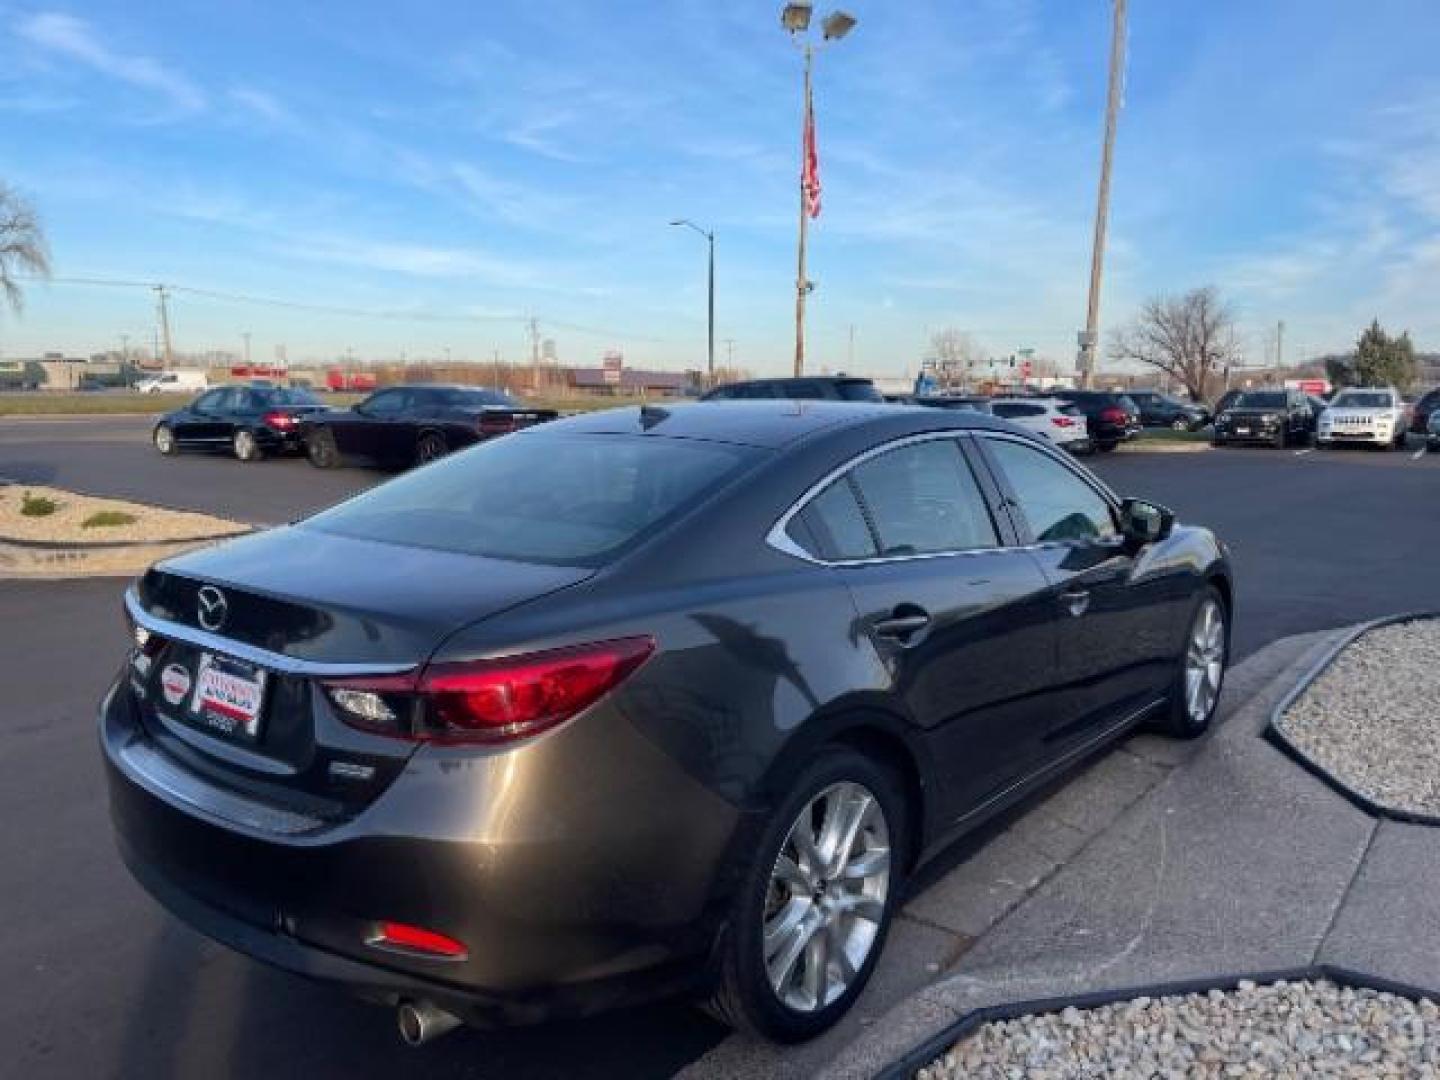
x: 1057, y: 504
x: 923, y: 499
x: 561, y: 499
x: 833, y: 525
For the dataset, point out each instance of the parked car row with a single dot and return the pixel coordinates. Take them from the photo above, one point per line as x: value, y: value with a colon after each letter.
x: 1367, y: 416
x: 392, y: 428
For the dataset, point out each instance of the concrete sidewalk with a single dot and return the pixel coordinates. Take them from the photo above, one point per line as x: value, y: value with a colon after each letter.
x: 1237, y: 862
x: 1078, y: 889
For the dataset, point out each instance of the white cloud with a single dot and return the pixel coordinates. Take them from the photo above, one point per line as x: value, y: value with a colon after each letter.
x: 76, y: 39
x: 263, y: 106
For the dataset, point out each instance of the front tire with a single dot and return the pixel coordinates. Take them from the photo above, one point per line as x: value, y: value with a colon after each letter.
x: 1201, y: 672
x: 246, y: 447
x: 165, y: 440
x: 1180, y: 423
x: 812, y: 910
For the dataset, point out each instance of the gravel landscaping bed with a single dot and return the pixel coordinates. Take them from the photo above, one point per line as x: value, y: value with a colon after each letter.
x: 65, y: 523
x: 1285, y: 1029
x: 1371, y: 720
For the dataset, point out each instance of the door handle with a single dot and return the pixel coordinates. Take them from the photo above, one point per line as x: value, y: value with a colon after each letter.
x: 1076, y: 601
x: 901, y: 627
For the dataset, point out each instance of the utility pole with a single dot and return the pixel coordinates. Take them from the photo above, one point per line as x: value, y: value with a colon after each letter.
x: 1280, y: 344
x: 1090, y: 338
x: 730, y: 354
x: 850, y: 353
x: 495, y: 367
x: 162, y: 296
x: 535, y: 354
x: 802, y: 283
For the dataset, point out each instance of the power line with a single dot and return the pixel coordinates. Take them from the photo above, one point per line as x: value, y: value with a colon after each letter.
x: 350, y: 312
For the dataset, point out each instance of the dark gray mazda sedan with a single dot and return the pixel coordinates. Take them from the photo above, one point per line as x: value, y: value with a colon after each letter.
x: 650, y: 701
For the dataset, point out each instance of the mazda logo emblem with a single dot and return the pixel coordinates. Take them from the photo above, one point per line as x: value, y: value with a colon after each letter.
x: 211, y: 608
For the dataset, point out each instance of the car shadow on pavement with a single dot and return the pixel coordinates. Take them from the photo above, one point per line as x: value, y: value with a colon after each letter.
x: 206, y: 1011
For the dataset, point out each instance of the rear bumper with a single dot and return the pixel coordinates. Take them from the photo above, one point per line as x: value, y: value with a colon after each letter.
x: 564, y: 911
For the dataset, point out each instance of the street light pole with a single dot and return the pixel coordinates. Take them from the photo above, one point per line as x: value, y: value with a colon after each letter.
x: 802, y: 283
x: 709, y: 235
x: 795, y: 18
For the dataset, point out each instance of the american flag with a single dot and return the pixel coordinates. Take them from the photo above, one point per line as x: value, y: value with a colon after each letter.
x: 810, y: 171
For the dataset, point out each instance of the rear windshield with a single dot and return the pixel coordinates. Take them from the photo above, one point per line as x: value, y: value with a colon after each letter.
x: 573, y: 500
x: 1359, y: 399
x: 859, y: 391
x: 1260, y: 400
x: 286, y: 397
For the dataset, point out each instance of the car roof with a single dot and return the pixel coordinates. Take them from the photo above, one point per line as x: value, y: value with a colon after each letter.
x: 768, y: 424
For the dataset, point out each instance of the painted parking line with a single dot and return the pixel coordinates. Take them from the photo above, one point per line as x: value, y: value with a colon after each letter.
x: 1307, y: 450
x: 1419, y: 453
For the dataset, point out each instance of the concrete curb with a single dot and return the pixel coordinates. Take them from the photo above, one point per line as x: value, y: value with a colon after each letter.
x: 1163, y: 447
x: 1277, y: 736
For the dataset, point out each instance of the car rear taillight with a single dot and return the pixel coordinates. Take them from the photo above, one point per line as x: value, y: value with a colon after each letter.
x: 279, y: 420
x: 1063, y: 421
x: 490, y: 701
x: 402, y: 937
x: 1113, y: 415
x: 496, y: 424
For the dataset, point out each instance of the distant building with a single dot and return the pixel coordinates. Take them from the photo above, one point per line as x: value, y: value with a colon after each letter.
x: 631, y: 381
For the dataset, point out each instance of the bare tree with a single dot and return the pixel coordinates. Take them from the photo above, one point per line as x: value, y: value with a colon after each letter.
x: 22, y: 245
x: 1188, y: 337
x: 956, y: 354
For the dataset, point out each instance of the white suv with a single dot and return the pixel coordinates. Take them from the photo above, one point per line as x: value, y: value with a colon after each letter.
x: 1374, y: 416
x: 1059, y: 421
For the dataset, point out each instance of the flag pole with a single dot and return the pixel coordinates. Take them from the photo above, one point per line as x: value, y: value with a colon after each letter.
x: 802, y: 285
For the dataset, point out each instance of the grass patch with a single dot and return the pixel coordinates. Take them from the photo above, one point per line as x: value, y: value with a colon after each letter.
x: 1171, y: 435
x: 37, y: 505
x: 106, y: 519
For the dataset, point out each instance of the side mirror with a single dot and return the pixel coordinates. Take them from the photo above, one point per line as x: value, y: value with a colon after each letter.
x: 1145, y: 522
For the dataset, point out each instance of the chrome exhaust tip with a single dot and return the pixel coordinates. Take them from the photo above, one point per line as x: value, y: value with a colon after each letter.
x: 420, y: 1022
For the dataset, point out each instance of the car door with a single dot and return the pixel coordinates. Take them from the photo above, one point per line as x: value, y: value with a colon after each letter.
x: 365, y: 430
x: 203, y: 424
x: 960, y: 622
x: 1116, y: 621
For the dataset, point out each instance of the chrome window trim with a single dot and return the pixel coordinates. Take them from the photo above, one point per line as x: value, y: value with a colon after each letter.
x: 288, y: 665
x: 779, y: 539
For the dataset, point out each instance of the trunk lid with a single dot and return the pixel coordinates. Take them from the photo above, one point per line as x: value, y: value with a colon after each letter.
x: 235, y: 692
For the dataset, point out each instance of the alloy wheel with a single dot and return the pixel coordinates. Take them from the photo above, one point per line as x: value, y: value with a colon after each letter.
x: 429, y: 449
x: 825, y: 903
x: 164, y: 440
x: 244, y: 446
x: 1204, y: 662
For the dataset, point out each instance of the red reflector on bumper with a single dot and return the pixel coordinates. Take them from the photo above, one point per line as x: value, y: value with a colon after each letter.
x: 415, y: 939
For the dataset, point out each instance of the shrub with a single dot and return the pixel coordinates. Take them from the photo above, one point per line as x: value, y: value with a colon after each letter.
x: 105, y: 519
x: 37, y: 505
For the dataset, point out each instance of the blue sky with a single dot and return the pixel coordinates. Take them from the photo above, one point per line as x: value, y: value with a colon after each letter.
x: 486, y: 162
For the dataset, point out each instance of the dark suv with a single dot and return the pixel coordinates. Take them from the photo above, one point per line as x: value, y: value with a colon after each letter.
x: 1420, y: 414
x: 1277, y: 417
x: 1162, y: 410
x: 807, y: 388
x: 1110, y: 417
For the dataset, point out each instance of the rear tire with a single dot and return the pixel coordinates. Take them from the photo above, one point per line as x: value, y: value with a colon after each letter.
x: 1106, y: 447
x: 164, y: 440
x: 796, y: 950
x: 320, y: 449
x: 1280, y: 440
x: 246, y: 447
x: 1200, y: 670
x: 431, y: 446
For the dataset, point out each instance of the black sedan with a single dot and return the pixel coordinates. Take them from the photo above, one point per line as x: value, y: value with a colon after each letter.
x: 248, y: 421
x: 409, y: 425
x: 649, y: 701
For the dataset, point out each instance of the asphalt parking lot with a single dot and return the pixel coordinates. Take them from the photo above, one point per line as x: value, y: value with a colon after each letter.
x: 102, y: 983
